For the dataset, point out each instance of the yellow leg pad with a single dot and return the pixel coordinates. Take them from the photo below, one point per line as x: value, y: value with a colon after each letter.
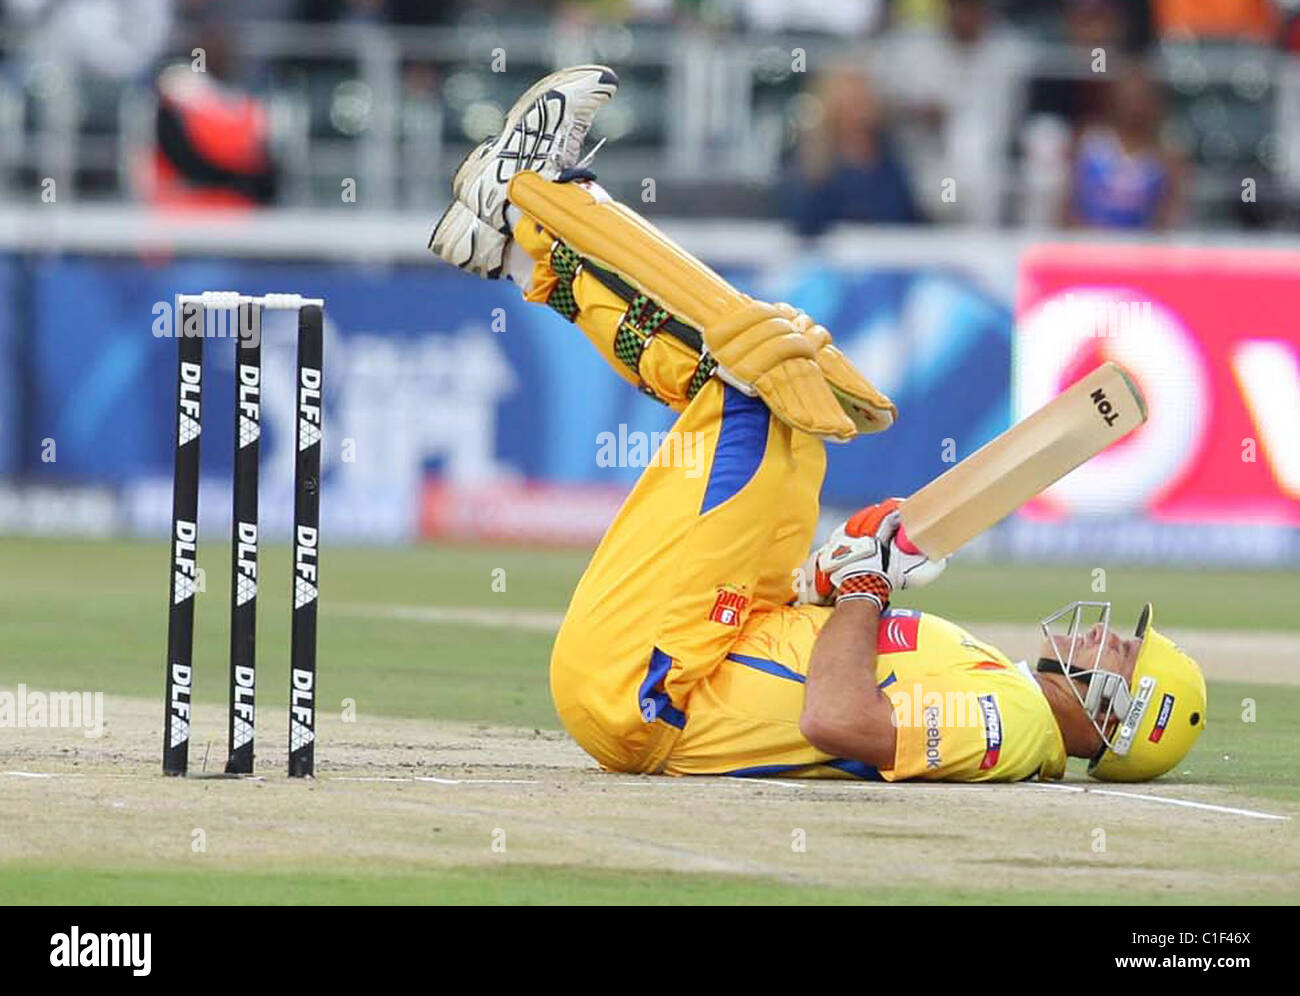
x: 537, y: 241
x: 757, y: 346
x: 868, y: 407
x: 621, y: 240
x: 668, y: 367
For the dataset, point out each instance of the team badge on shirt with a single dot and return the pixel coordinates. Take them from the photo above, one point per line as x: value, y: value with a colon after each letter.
x: 728, y: 607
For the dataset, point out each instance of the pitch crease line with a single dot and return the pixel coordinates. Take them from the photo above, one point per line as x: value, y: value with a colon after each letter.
x: 1255, y: 814
x: 539, y: 620
x: 434, y: 780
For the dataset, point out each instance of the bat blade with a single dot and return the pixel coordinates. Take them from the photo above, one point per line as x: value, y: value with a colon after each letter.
x: 999, y: 477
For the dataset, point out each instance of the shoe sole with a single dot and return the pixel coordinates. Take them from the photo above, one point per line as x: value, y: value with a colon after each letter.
x: 487, y: 201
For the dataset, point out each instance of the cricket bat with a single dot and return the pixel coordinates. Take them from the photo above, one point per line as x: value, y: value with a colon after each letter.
x: 1033, y: 454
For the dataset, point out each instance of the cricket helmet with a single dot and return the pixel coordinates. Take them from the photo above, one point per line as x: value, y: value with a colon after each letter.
x: 1160, y: 711
x: 1166, y: 715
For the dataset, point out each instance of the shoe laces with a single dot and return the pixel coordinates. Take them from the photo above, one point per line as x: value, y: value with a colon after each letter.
x: 568, y: 147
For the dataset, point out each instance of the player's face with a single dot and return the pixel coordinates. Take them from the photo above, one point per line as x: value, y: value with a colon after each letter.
x: 1117, y: 654
x: 1099, y: 662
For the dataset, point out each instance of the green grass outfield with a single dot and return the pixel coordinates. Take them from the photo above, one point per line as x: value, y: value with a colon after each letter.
x: 91, y: 615
x: 515, y: 885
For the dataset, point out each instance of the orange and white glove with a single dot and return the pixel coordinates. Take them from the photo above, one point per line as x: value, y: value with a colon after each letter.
x: 865, y: 559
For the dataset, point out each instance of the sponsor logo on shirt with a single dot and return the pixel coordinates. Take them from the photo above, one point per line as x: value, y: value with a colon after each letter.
x: 933, y: 758
x: 992, y: 731
x: 897, y: 631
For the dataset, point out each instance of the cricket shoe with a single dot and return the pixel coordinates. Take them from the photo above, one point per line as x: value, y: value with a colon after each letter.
x: 544, y: 133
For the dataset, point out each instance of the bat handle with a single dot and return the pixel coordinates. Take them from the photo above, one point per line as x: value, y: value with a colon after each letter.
x: 903, y: 543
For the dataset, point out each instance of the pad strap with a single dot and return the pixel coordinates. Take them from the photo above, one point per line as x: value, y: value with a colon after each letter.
x: 643, y: 320
x: 566, y: 263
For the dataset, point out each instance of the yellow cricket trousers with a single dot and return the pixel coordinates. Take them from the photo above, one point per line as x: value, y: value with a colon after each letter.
x: 665, y: 659
x: 686, y: 564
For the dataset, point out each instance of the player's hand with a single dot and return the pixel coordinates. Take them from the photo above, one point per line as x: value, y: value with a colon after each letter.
x: 854, y: 562
x: 908, y: 566
x: 864, y: 558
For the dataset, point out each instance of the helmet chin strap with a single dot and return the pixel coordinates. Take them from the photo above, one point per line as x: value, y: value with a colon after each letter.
x: 1108, y: 690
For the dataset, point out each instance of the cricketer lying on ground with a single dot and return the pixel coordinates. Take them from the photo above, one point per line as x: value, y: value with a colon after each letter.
x: 684, y: 649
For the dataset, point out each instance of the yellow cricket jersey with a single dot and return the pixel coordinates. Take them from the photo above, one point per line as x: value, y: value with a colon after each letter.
x: 964, y: 710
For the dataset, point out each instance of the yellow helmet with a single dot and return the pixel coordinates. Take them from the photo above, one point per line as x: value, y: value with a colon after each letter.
x: 1165, y: 714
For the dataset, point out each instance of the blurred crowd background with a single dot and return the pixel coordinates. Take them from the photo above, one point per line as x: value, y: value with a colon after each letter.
x: 1113, y: 114
x: 982, y: 199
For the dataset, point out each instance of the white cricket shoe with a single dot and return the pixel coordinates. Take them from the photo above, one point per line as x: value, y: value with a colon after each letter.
x: 465, y: 240
x: 543, y: 132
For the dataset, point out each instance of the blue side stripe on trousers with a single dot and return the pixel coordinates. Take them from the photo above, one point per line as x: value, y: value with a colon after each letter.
x: 857, y: 769
x: 742, y: 441
x: 652, y: 701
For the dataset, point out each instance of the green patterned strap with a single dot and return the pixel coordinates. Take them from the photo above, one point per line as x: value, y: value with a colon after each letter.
x: 703, y: 371
x: 641, y: 321
x: 683, y: 333
x: 566, y: 263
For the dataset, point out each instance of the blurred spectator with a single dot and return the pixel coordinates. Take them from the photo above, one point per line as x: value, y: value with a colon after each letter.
x: 958, y: 90
x: 339, y: 10
x: 1289, y: 32
x: 1081, y: 97
x: 110, y: 39
x: 239, y: 20
x: 408, y: 12
x: 843, y: 18
x: 1124, y: 175
x: 1070, y: 93
x: 911, y: 14
x: 233, y: 12
x: 1093, y: 24
x: 1126, y: 22
x: 847, y: 169
x: 212, y: 141
x: 1184, y: 20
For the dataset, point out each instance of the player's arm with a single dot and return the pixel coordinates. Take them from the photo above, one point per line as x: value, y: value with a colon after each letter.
x: 844, y: 713
x: 858, y: 568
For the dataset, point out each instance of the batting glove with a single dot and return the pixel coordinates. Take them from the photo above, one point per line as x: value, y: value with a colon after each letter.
x: 865, y: 558
x: 908, y: 566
